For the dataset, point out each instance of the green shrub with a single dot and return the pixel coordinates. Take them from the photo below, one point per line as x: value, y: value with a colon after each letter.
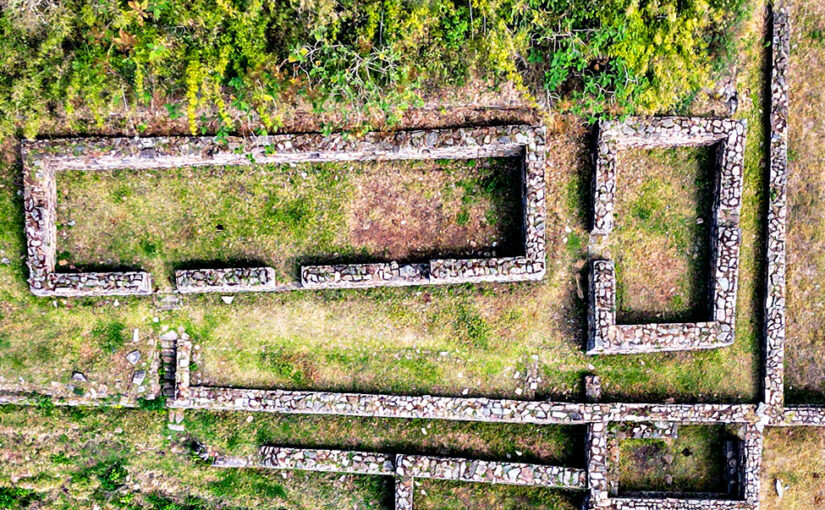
x: 111, y: 475
x: 156, y: 404
x: 250, y: 59
x: 16, y: 497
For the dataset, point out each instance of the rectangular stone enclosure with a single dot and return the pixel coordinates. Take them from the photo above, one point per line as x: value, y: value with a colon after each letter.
x: 728, y: 136
x: 42, y: 159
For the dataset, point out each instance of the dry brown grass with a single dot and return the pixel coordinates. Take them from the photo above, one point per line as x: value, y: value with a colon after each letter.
x: 796, y: 457
x: 805, y: 373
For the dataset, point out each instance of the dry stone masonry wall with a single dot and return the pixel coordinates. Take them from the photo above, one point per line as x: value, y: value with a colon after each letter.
x: 249, y: 279
x: 482, y: 471
x: 603, y: 483
x: 44, y: 158
x: 773, y: 381
x: 601, y: 420
x: 607, y: 337
x: 777, y: 215
x: 406, y: 468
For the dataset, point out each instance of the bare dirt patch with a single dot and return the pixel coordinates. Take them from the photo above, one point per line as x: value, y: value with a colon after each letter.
x: 433, y: 207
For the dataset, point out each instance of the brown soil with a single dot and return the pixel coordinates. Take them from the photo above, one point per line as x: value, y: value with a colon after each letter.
x: 412, y: 213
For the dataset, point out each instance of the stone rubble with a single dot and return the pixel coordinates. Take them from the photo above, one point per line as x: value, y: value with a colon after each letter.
x: 246, y: 279
x: 607, y: 337
x: 465, y: 470
x: 592, y: 388
x: 133, y: 357
x: 138, y: 377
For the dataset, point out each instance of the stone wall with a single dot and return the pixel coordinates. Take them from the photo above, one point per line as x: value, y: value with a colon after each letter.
x: 773, y: 384
x: 247, y: 279
x: 453, y: 408
x: 483, y: 471
x: 603, y: 483
x: 406, y: 468
x: 404, y: 490
x: 802, y: 416
x: 607, y: 337
x: 334, y: 461
x: 39, y: 209
x: 342, y: 276
x: 42, y: 159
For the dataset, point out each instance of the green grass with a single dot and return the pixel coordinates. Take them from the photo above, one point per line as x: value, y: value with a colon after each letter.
x: 440, y: 494
x: 80, y: 457
x: 661, y: 244
x: 16, y: 497
x: 693, y: 462
x: 110, y: 335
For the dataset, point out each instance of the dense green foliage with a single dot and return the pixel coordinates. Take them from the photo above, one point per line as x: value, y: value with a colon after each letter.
x: 235, y: 59
x: 15, y: 497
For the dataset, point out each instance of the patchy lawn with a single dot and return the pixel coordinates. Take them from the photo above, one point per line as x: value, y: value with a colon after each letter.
x: 795, y: 458
x: 805, y: 374
x: 79, y: 457
x: 693, y: 462
x: 441, y: 494
x: 661, y: 243
x: 286, y: 215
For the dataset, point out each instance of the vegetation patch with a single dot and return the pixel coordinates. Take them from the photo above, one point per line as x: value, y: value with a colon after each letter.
x: 661, y: 242
x: 283, y: 216
x: 16, y: 497
x: 692, y: 462
x: 238, y: 60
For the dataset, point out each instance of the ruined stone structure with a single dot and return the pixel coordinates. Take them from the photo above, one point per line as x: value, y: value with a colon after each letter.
x: 43, y: 159
x: 605, y: 423
x: 728, y: 136
x: 406, y: 468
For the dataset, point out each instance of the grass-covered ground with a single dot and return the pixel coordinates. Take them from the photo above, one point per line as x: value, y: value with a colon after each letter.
x: 692, y: 462
x: 805, y: 375
x: 661, y: 243
x: 285, y: 215
x: 71, y: 458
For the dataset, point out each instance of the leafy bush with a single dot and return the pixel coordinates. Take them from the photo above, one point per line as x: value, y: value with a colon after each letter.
x: 111, y: 475
x: 252, y: 58
x: 16, y: 497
